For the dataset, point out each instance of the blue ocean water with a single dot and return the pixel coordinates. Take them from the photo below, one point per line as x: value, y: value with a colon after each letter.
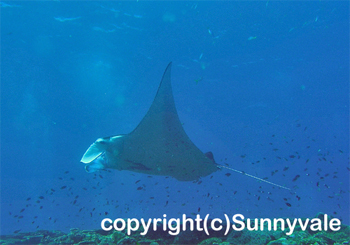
x: 264, y: 85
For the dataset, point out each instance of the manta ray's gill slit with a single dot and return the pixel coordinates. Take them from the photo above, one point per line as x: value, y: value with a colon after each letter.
x: 252, y: 176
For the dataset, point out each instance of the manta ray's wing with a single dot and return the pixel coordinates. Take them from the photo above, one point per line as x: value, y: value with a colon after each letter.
x: 159, y: 144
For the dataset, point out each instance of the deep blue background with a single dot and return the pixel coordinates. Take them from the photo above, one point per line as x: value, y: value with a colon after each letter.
x: 263, y: 85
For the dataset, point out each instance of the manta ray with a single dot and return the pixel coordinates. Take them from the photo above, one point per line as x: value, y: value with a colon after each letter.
x: 157, y: 146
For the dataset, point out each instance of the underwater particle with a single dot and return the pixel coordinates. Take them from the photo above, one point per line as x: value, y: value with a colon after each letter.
x: 198, y: 80
x: 169, y: 17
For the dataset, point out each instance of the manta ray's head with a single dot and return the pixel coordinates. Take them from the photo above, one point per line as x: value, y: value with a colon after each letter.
x: 98, y: 155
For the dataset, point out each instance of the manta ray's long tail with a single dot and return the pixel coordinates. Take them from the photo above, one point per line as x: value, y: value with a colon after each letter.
x: 252, y: 176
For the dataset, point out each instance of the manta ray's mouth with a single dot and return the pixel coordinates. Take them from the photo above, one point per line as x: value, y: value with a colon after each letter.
x: 101, y: 162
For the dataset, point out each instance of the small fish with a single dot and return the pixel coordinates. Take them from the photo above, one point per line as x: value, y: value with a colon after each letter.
x: 296, y: 177
x: 63, y: 187
x: 228, y: 174
x: 288, y: 204
x: 139, y: 188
